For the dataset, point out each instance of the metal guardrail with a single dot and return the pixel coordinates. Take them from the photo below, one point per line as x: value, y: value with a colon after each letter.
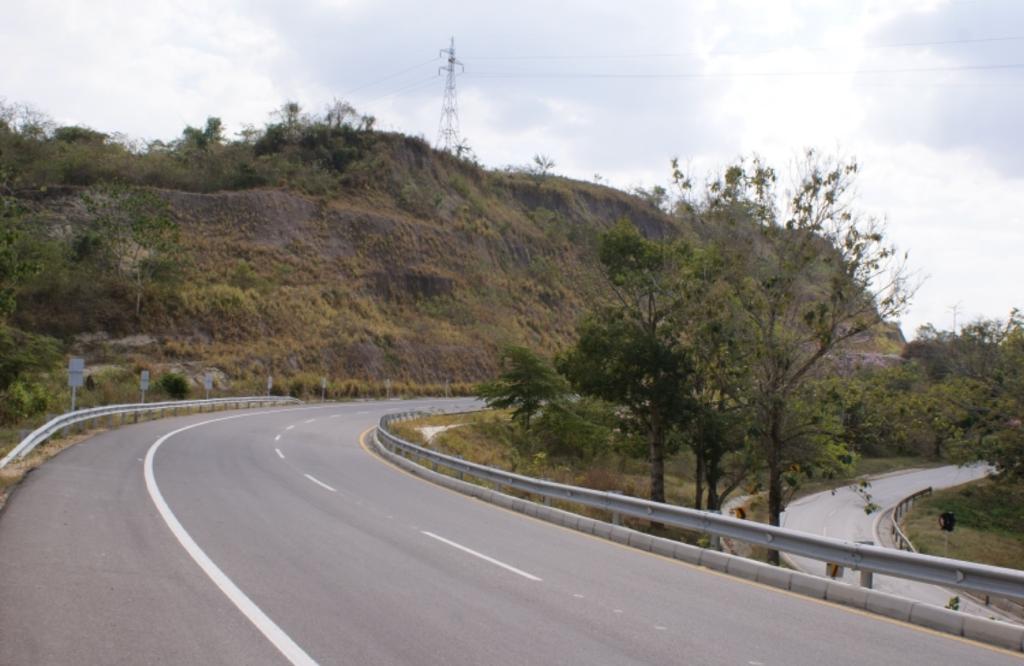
x: 900, y: 510
x: 60, y: 423
x: 867, y: 558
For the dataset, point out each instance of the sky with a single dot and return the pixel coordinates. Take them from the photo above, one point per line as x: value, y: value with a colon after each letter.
x: 927, y: 95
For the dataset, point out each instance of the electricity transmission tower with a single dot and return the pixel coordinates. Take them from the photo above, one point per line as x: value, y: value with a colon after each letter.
x: 448, y: 131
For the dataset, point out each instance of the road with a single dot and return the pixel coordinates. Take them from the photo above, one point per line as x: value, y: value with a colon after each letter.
x: 842, y: 516
x: 263, y: 537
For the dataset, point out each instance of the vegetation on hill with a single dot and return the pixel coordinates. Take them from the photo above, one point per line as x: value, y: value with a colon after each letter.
x: 733, y: 352
x: 314, y: 246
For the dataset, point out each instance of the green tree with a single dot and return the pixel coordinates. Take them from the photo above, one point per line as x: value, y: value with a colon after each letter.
x: 815, y: 274
x: 134, y: 229
x: 717, y: 433
x: 628, y: 352
x: 14, y: 267
x: 988, y: 361
x: 526, y: 383
x: 203, y: 139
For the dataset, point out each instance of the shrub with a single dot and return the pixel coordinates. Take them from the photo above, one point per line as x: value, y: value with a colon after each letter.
x: 173, y: 384
x: 22, y: 400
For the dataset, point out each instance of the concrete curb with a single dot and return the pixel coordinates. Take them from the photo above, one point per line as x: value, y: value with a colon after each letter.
x: 993, y: 632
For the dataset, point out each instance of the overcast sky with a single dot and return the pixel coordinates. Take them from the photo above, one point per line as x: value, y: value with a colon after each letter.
x: 926, y: 94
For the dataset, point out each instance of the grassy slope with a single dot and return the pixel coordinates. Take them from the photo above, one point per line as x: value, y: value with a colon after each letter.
x: 989, y: 528
x: 485, y: 438
x: 419, y: 279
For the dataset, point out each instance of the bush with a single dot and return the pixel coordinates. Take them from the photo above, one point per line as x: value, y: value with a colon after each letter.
x: 22, y: 400
x: 174, y: 385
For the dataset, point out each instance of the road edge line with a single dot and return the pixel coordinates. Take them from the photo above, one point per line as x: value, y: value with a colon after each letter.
x: 273, y: 633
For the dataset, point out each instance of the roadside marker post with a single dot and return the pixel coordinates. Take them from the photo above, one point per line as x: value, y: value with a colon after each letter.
x: 270, y: 384
x: 323, y: 389
x: 947, y: 522
x: 76, y: 377
x: 143, y: 385
x: 208, y: 384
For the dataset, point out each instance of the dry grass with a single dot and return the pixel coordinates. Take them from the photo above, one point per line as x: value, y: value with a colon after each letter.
x: 989, y: 528
x: 487, y: 438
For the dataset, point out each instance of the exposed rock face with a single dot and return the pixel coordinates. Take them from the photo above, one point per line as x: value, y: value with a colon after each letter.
x: 418, y: 268
x: 421, y: 280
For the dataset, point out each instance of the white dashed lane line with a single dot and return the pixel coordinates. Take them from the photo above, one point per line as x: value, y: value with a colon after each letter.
x: 319, y: 483
x: 278, y: 438
x: 279, y: 454
x: 289, y: 427
x: 485, y: 558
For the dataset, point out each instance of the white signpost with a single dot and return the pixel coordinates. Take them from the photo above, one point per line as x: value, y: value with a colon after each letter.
x: 144, y: 384
x: 76, y: 377
x: 208, y: 384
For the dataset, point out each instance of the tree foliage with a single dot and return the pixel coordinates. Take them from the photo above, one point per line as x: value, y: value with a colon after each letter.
x: 174, y: 384
x: 14, y: 266
x: 814, y: 275
x: 628, y: 352
x: 133, y: 230
x: 527, y: 382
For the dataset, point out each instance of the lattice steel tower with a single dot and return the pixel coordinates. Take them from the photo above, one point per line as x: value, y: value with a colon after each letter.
x: 448, y: 131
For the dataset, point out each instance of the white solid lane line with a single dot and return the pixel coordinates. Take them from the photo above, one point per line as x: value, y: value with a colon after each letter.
x: 319, y: 483
x: 280, y: 640
x: 483, y: 557
x: 279, y: 454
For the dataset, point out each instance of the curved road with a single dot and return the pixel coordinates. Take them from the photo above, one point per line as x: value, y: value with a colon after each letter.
x: 841, y: 515
x: 264, y: 537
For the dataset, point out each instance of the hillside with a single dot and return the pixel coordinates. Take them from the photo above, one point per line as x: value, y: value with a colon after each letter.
x: 315, y: 246
x: 417, y: 279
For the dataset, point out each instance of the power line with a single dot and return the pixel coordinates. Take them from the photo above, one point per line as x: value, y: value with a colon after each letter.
x: 684, y: 54
x: 406, y: 88
x: 390, y: 76
x: 731, y: 75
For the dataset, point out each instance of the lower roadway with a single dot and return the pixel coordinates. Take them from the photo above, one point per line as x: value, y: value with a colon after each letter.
x: 262, y: 537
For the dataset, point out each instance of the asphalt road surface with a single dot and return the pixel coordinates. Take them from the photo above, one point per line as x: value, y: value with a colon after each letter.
x: 841, y: 515
x: 263, y: 537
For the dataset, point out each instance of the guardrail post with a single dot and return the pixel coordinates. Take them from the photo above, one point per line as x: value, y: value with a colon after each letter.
x: 715, y: 543
x: 616, y: 518
x: 867, y: 579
